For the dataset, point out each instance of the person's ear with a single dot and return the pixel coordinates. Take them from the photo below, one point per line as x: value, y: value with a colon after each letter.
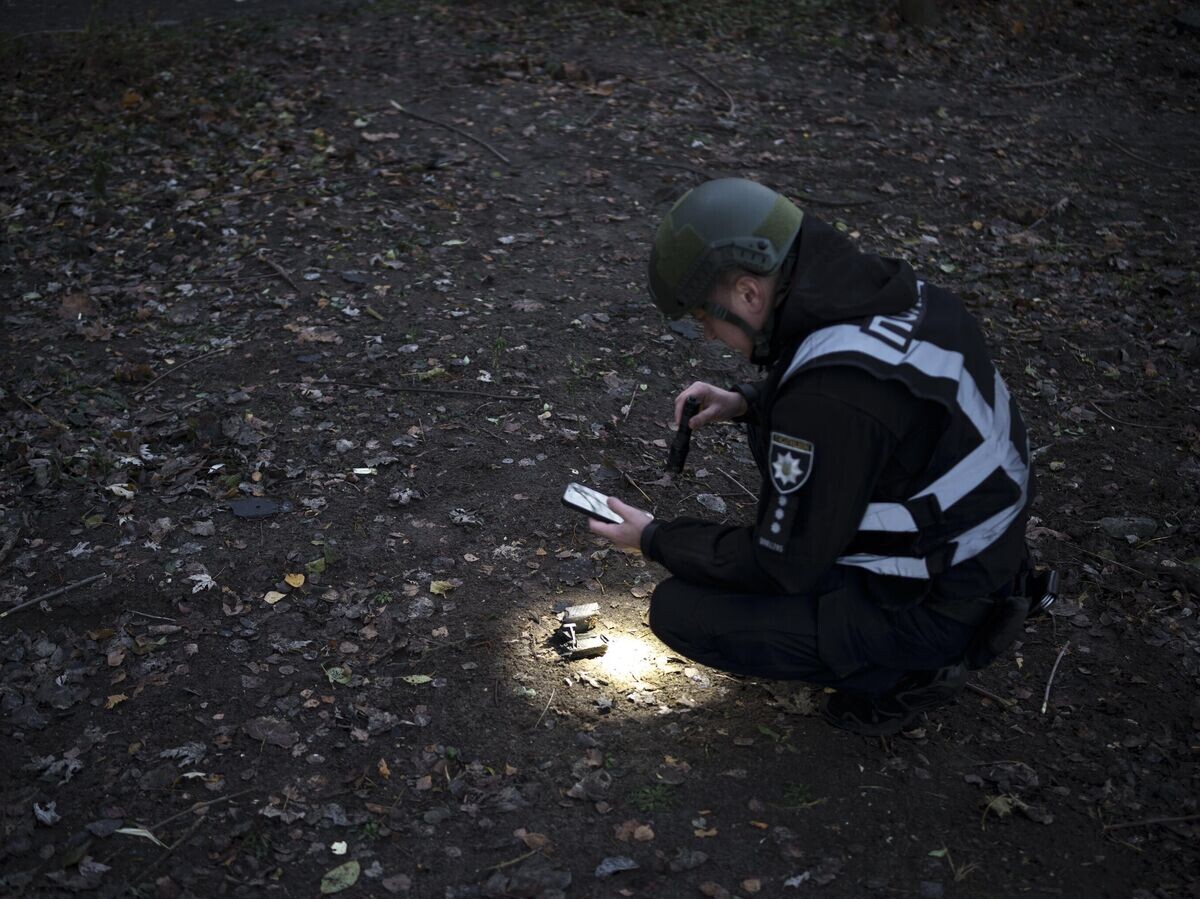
x: 750, y: 291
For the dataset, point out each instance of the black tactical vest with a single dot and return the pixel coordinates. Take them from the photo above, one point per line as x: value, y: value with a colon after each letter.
x: 970, y: 502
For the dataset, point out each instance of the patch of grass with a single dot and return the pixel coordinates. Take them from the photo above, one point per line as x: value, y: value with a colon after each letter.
x: 652, y: 797
x: 257, y: 843
x: 796, y: 795
x: 783, y: 740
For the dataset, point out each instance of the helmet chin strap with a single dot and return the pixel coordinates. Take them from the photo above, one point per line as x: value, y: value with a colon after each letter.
x: 760, y: 341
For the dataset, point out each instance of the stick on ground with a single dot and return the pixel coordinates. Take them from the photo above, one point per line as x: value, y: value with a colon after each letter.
x: 728, y: 96
x: 53, y: 593
x: 281, y: 271
x: 1005, y: 704
x: 171, y: 371
x: 456, y: 130
x: 1050, y: 682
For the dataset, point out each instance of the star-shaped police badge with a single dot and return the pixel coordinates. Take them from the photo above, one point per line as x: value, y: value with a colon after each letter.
x: 791, y: 462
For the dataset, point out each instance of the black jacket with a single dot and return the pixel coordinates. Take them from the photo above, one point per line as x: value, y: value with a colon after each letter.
x: 860, y: 440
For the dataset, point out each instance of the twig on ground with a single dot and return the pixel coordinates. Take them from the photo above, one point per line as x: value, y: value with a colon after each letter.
x: 1050, y: 82
x: 600, y: 107
x: 50, y: 418
x: 281, y: 271
x: 172, y: 370
x: 728, y: 96
x: 638, y: 487
x: 195, y: 806
x: 410, y: 388
x: 661, y: 163
x: 739, y: 483
x: 184, y: 279
x: 237, y: 195
x: 546, y: 709
x: 148, y: 615
x: 1180, y: 819
x: 1088, y: 552
x: 1142, y: 159
x: 1132, y: 424
x: 146, y: 871
x: 471, y: 137
x: 629, y: 407
x: 1050, y: 681
x: 1005, y: 703
x: 512, y: 861
x: 53, y: 593
x: 845, y: 204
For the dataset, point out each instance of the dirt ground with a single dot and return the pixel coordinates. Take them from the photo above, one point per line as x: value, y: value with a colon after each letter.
x: 307, y: 325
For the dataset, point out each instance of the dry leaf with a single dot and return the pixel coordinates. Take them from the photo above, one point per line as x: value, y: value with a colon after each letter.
x: 384, y: 771
x: 294, y: 580
x: 531, y: 840
x: 273, y: 596
x: 75, y: 306
x: 115, y: 700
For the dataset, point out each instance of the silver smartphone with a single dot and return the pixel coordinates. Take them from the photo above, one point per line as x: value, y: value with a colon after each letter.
x: 590, y: 502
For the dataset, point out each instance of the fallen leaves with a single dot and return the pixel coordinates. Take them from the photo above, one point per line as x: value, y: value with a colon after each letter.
x: 532, y: 840
x: 340, y: 878
x: 271, y: 730
x: 314, y: 333
x: 142, y: 832
x: 633, y: 830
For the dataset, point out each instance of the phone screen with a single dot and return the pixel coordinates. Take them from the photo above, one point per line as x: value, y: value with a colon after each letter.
x: 590, y: 502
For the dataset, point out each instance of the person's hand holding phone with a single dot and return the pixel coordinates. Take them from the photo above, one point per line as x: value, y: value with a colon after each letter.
x: 716, y: 404
x: 629, y: 532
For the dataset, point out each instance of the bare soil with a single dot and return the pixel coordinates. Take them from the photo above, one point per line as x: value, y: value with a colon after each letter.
x: 234, y: 269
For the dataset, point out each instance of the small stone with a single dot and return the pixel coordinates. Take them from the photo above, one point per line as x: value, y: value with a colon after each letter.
x: 1121, y: 526
x: 397, y: 883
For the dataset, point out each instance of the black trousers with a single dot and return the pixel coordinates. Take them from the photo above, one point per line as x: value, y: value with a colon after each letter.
x: 836, y: 637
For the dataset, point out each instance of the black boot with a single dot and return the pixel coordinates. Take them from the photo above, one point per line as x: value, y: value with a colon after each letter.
x: 897, y: 709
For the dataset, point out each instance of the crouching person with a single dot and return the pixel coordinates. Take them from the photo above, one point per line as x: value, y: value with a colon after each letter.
x: 889, y: 535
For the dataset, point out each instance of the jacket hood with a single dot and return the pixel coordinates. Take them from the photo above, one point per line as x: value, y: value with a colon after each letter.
x: 833, y: 281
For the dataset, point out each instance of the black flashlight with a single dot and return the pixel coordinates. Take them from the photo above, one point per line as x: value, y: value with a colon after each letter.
x: 683, y: 437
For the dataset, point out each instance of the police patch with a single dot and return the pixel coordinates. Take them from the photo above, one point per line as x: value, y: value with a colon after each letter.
x: 791, y: 462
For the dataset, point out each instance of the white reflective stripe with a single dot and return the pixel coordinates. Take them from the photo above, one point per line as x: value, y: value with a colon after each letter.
x: 897, y: 566
x: 972, y: 542
x: 887, y: 517
x: 995, y: 451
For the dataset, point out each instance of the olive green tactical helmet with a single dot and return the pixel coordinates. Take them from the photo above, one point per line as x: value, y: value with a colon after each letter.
x: 722, y: 224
